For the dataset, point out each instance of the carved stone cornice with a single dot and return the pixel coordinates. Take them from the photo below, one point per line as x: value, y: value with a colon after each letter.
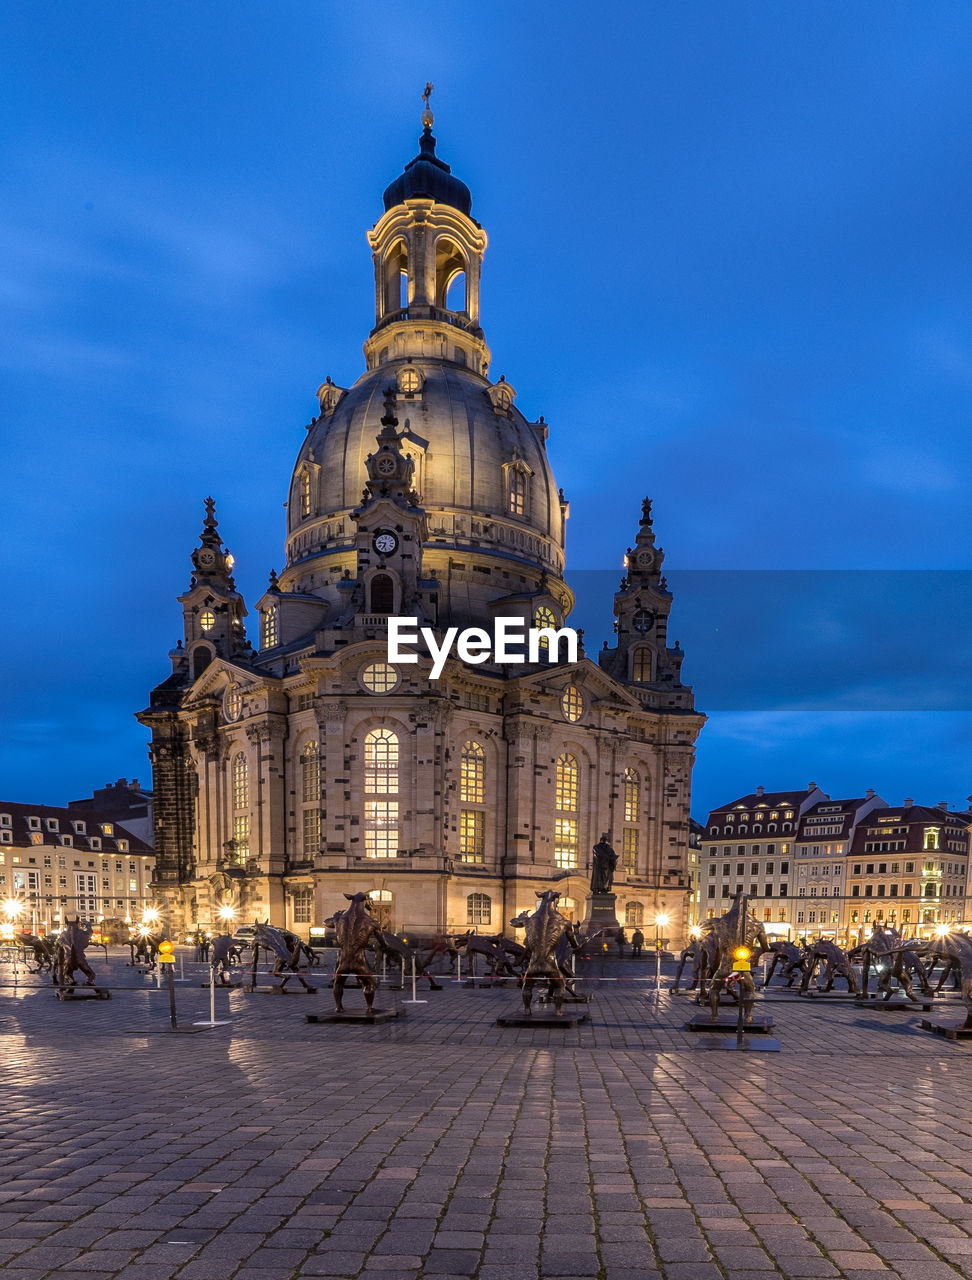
x: 332, y: 712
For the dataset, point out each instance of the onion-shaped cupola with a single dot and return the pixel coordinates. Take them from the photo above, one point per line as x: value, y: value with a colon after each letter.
x: 428, y: 255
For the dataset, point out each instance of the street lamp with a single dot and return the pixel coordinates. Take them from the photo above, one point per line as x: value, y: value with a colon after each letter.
x: 227, y: 914
x: 661, y: 919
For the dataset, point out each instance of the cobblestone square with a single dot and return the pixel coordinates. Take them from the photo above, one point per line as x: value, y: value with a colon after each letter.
x: 440, y: 1144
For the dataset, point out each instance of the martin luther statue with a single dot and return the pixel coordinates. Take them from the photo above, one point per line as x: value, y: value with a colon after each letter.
x: 604, y: 863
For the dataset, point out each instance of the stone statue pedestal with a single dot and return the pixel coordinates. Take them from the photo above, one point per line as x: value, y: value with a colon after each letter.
x: 601, y: 913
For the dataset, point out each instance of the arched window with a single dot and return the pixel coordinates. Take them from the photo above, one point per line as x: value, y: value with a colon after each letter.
x: 395, y: 278
x: 201, y: 658
x: 641, y: 665
x: 241, y: 808
x: 567, y: 907
x: 632, y: 813
x: 270, y: 635
x: 382, y: 594
x: 634, y: 914
x: 381, y: 905
x: 566, y: 837
x: 310, y: 784
x: 479, y: 908
x: 517, y: 481
x: 455, y: 297
x: 305, y: 494
x: 472, y: 800
x: 381, y: 794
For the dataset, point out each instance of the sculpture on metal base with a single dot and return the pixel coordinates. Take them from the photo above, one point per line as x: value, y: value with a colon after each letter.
x: 288, y: 957
x: 42, y: 950
x: 356, y: 928
x: 69, y: 955
x: 901, y: 962
x: 544, y: 931
x: 834, y: 964
x: 792, y: 961
x: 718, y: 939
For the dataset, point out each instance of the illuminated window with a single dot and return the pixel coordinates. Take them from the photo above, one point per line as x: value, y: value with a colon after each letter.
x: 572, y: 703
x: 472, y: 835
x: 566, y: 839
x: 632, y: 796
x: 517, y: 482
x: 634, y: 914
x: 270, y: 635
x: 629, y: 849
x: 381, y: 794
x: 241, y: 808
x: 641, y: 665
x: 472, y: 777
x: 472, y: 791
x: 409, y: 381
x: 931, y: 838
x: 479, y: 908
x: 303, y: 903
x: 207, y: 619
x: 379, y: 677
x: 310, y: 774
x: 305, y: 493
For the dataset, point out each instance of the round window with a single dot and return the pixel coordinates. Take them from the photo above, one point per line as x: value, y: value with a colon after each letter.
x: 379, y: 677
x: 207, y: 619
x: 572, y: 703
x: 232, y: 703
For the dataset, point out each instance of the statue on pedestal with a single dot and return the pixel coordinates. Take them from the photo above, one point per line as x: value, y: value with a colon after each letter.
x: 604, y: 863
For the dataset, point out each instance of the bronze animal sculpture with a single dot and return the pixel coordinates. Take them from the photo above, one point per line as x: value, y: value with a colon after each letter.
x: 275, y: 942
x: 475, y: 944
x: 891, y: 959
x: 393, y: 946
x: 691, y: 954
x: 42, y: 950
x: 69, y: 955
x: 563, y: 954
x: 224, y: 951
x: 791, y: 959
x: 144, y: 949
x: 957, y: 946
x: 355, y: 928
x: 544, y: 930
x: 833, y: 963
x: 719, y: 939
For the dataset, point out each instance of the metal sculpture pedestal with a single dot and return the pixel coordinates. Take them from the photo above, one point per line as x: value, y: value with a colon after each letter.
x: 360, y: 1017
x: 82, y: 993
x: 739, y: 1042
x: 905, y: 1006
x: 544, y: 1019
x: 702, y: 1022
x: 950, y: 1030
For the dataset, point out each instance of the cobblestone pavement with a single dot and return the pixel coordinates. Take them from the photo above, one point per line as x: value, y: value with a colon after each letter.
x: 441, y: 1145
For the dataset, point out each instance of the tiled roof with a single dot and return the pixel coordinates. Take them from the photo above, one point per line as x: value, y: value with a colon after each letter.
x: 90, y: 822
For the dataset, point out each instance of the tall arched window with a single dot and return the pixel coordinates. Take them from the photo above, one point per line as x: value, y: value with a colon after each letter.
x: 269, y: 627
x: 381, y: 794
x: 382, y: 594
x: 634, y: 914
x: 472, y: 801
x: 310, y: 790
x: 479, y: 908
x: 566, y: 837
x: 305, y: 493
x: 517, y: 491
x: 632, y: 814
x: 241, y: 808
x: 641, y: 665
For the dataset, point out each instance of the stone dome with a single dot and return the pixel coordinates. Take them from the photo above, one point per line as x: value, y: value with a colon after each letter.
x: 465, y: 437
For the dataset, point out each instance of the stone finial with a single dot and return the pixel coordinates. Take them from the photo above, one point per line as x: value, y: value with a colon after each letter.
x: 428, y: 119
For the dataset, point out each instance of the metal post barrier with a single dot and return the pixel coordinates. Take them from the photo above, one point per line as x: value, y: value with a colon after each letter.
x: 414, y: 999
x: 212, y: 1004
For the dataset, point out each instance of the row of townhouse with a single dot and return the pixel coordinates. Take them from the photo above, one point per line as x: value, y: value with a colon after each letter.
x: 58, y: 863
x: 814, y: 866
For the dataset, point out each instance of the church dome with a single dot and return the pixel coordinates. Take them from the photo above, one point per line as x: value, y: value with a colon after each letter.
x: 429, y: 177
x: 481, y: 469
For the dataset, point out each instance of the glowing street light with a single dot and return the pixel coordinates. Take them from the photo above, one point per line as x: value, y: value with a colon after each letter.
x: 12, y: 908
x: 227, y: 913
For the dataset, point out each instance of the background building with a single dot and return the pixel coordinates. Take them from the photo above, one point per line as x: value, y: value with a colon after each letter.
x: 59, y: 863
x: 124, y: 802
x: 314, y: 767
x: 832, y: 868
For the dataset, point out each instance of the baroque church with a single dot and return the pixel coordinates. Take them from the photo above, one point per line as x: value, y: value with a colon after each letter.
x: 288, y: 775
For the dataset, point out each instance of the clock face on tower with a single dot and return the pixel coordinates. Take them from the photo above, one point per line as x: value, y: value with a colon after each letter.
x: 385, y: 542
x: 643, y: 620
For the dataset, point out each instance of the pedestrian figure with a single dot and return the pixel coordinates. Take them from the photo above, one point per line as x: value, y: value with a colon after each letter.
x: 637, y: 942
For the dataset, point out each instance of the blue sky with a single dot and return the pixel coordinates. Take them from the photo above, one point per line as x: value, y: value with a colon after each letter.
x: 729, y: 262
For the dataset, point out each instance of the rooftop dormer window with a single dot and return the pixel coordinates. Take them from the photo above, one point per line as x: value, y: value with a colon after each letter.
x: 33, y: 824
